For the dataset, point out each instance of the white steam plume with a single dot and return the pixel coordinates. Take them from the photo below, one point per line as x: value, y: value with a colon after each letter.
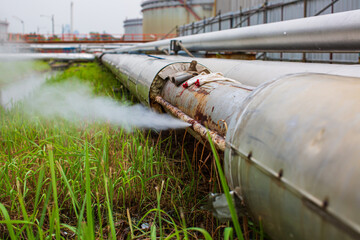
x: 16, y: 91
x: 74, y: 101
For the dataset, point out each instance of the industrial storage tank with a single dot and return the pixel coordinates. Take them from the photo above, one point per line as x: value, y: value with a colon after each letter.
x: 234, y: 5
x: 133, y: 29
x: 3, y: 30
x: 162, y: 16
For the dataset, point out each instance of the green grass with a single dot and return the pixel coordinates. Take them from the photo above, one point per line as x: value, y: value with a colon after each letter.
x: 61, y: 180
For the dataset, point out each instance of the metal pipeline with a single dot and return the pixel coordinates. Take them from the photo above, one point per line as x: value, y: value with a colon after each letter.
x: 47, y: 56
x: 338, y: 32
x: 294, y: 156
x: 291, y: 158
x: 199, y: 103
x: 247, y: 72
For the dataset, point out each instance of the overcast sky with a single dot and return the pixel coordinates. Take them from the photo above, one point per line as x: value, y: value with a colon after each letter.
x: 89, y: 15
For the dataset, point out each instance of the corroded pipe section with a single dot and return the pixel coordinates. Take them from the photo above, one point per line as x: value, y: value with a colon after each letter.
x: 218, y: 140
x: 214, y: 104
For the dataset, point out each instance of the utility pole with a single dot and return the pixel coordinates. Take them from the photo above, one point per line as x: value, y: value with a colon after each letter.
x: 22, y: 22
x: 72, y: 18
x: 52, y: 22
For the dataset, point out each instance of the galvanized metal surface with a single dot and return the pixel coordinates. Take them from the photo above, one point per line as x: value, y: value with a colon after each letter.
x: 229, y: 5
x: 255, y: 73
x: 151, y: 4
x: 293, y: 157
x: 334, y: 32
x: 47, y: 56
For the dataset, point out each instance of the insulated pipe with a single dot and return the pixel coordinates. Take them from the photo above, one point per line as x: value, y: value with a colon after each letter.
x: 200, y: 103
x: 291, y: 158
x: 247, y: 72
x: 138, y: 72
x: 294, y: 157
x: 338, y: 32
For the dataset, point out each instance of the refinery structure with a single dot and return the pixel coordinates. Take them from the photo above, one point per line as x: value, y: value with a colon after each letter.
x: 3, y: 30
x: 201, y: 16
x: 274, y: 83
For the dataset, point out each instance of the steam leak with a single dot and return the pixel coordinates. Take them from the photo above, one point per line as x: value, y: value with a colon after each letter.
x: 73, y: 100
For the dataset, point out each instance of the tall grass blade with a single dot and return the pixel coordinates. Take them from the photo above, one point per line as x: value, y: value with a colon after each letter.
x: 228, y: 233
x: 29, y: 232
x: 153, y: 232
x: 225, y: 187
x: 56, y: 214
x: 261, y: 229
x: 72, y: 195
x: 110, y: 215
x: 89, y: 216
x: 130, y: 223
x: 39, y: 186
x: 8, y: 222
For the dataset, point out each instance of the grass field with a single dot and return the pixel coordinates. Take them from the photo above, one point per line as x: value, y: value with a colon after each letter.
x: 66, y: 180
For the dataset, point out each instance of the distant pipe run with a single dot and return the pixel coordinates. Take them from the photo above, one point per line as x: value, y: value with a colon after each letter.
x: 338, y: 32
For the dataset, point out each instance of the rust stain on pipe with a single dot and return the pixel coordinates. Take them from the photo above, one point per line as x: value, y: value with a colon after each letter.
x: 197, y: 127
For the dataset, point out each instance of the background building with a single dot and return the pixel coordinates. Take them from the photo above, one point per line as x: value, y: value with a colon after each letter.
x: 133, y: 29
x: 162, y: 16
x: 3, y: 31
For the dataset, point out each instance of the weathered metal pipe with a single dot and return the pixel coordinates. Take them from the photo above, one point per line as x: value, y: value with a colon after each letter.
x: 294, y: 156
x: 338, y: 32
x: 248, y: 73
x: 218, y: 140
x: 138, y: 72
x: 201, y: 104
x: 212, y: 104
x: 180, y: 78
x: 290, y: 157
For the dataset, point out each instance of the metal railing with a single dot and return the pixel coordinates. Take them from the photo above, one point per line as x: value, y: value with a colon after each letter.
x: 90, y: 37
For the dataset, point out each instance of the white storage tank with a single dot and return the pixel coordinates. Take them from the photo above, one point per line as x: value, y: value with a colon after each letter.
x: 3, y: 31
x: 234, y: 5
x: 162, y: 16
x: 133, y: 29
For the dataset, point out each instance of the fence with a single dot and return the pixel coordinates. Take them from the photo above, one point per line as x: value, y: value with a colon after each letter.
x: 273, y: 12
